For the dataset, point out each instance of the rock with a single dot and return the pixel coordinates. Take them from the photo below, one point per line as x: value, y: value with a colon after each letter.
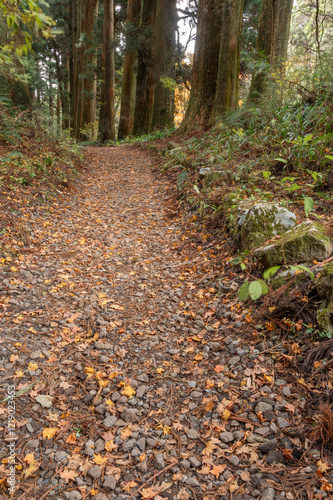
x: 305, y: 242
x: 141, y: 443
x: 233, y: 460
x: 192, y: 434
x: 110, y: 483
x: 32, y: 444
x: 75, y: 495
x: 282, y: 423
x: 325, y: 289
x: 195, y: 462
x: 325, y: 317
x: 267, y: 494
x: 100, y: 496
x: 129, y: 415
x: 289, y: 277
x: 263, y: 407
x: 268, y: 446
x: 159, y: 461
x: 274, y: 457
x: 44, y: 400
x: 261, y: 221
x: 227, y: 437
x: 110, y: 421
x: 95, y: 472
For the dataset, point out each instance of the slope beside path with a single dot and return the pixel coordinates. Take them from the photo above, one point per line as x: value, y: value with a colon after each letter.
x: 134, y: 379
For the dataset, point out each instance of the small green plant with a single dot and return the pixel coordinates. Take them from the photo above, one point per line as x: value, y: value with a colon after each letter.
x: 253, y: 290
x: 325, y: 334
x: 308, y: 205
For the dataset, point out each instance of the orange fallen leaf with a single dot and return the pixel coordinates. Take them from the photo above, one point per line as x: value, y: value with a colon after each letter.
x: 49, y: 432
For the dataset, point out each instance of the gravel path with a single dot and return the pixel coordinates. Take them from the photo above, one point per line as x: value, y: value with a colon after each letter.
x: 136, y: 379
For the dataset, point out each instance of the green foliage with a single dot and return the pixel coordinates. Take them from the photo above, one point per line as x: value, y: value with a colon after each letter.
x: 308, y: 204
x: 253, y: 290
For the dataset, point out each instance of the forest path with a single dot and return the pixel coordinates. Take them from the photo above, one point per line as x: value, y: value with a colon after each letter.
x: 140, y: 377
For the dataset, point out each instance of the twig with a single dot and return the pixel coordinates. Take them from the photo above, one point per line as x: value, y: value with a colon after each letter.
x: 152, y: 478
x: 322, y: 367
x: 47, y: 492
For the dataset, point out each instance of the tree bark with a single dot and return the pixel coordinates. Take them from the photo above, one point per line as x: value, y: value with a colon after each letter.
x: 226, y: 97
x: 107, y: 114
x: 164, y: 64
x: 89, y: 64
x: 272, y: 42
x: 205, y: 66
x: 145, y: 76
x: 127, y: 107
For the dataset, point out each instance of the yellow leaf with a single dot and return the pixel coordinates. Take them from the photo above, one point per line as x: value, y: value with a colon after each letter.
x: 322, y: 466
x: 32, y: 367
x: 128, y: 391
x: 209, y: 384
x: 13, y: 269
x: 49, y: 432
x: 31, y: 469
x: 126, y: 432
x: 160, y: 370
x: 32, y: 330
x: 210, y: 447
x: 29, y: 458
x: 99, y: 460
x: 110, y: 446
x: 217, y: 470
x: 68, y: 475
x: 71, y: 439
x: 198, y: 357
x: 128, y: 486
x: 109, y: 403
x: 226, y: 414
x: 233, y: 487
x: 19, y: 374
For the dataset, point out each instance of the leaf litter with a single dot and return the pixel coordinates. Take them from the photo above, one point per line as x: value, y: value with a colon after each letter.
x: 150, y: 384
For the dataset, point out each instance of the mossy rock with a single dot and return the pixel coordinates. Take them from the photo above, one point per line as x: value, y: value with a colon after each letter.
x: 325, y: 317
x: 289, y: 277
x: 325, y: 283
x: 303, y: 243
x: 261, y: 221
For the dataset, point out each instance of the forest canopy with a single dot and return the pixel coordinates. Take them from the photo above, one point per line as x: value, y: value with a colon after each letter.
x: 112, y: 69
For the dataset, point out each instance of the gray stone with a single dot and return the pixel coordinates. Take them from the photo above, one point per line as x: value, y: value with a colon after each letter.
x: 75, y: 495
x: 274, y: 457
x: 141, y: 443
x: 195, y: 462
x: 282, y: 423
x: 263, y: 407
x: 227, y: 437
x: 109, y: 483
x: 159, y: 461
x: 110, y: 421
x: 95, y: 472
x: 233, y: 460
x: 269, y: 445
x: 44, y: 400
x: 32, y: 444
x: 268, y: 494
x: 101, y: 496
x: 192, y: 434
x: 129, y: 415
x: 304, y: 243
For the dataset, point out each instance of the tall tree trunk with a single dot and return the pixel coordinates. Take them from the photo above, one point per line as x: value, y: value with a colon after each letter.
x: 164, y: 64
x: 66, y: 98
x: 205, y: 66
x: 130, y: 70
x: 145, y: 77
x: 106, y: 130
x: 272, y: 41
x: 89, y: 64
x: 226, y: 97
x: 80, y: 69
x: 58, y: 113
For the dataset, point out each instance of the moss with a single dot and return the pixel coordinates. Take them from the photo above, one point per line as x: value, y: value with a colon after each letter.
x: 262, y: 221
x: 306, y: 242
x: 325, y: 282
x: 325, y: 317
